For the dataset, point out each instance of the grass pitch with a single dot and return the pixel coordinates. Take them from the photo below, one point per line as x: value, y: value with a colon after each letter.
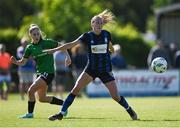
x: 101, y: 112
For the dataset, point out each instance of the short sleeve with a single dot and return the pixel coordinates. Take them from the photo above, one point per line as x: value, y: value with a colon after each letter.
x: 84, y: 38
x: 52, y: 43
x: 27, y: 52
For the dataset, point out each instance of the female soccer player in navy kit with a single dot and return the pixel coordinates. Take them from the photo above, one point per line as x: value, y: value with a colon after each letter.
x: 99, y: 46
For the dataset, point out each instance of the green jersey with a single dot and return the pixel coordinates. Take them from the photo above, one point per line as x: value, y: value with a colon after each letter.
x: 44, y: 61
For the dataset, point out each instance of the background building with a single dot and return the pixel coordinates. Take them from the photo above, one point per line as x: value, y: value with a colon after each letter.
x: 168, y: 27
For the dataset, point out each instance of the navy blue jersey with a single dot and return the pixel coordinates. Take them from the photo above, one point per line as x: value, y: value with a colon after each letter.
x: 98, y: 51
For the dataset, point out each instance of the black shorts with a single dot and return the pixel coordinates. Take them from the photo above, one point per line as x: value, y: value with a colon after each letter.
x: 47, y: 77
x: 105, y: 77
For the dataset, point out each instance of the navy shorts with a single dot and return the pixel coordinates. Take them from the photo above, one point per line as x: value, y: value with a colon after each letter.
x: 47, y: 77
x: 105, y: 77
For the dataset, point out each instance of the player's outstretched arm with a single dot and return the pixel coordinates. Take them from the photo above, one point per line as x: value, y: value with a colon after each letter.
x: 62, y: 47
x: 20, y: 62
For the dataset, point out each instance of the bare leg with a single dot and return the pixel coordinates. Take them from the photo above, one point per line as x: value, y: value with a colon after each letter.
x: 120, y: 99
x: 42, y: 92
x: 33, y: 88
x: 83, y: 80
x: 113, y: 90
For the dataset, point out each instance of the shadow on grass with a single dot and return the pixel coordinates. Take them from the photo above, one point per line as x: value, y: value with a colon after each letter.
x: 168, y: 120
x: 70, y: 118
x: 89, y: 118
x: 101, y: 118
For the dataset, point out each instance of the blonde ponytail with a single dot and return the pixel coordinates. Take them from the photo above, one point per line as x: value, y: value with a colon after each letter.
x: 107, y: 17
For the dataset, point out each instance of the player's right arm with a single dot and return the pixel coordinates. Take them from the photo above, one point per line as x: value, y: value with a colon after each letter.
x: 63, y: 47
x: 24, y: 58
x: 20, y: 62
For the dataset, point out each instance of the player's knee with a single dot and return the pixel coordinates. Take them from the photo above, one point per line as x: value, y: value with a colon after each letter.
x: 31, y: 91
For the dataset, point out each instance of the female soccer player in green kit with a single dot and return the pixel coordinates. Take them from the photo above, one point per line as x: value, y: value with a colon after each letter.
x: 44, y: 68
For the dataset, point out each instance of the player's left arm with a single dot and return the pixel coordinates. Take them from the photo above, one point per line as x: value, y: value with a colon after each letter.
x: 111, y: 49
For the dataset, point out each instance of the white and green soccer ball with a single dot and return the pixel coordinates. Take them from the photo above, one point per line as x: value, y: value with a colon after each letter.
x: 159, y: 65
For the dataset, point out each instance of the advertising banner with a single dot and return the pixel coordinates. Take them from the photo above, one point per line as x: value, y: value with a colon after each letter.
x: 139, y: 83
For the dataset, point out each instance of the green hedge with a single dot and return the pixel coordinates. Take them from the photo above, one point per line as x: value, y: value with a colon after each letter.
x: 134, y: 48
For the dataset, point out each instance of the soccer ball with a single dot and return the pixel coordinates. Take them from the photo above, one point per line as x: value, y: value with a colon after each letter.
x: 159, y: 65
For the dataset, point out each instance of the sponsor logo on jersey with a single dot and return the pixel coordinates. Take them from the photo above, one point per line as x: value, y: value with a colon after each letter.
x: 42, y: 54
x: 101, y: 48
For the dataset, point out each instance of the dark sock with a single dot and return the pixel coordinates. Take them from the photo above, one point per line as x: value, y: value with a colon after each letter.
x: 123, y: 103
x: 31, y: 105
x: 67, y: 102
x: 56, y: 101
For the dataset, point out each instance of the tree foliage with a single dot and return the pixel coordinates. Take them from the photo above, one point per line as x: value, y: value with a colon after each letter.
x: 161, y: 3
x: 13, y: 11
x: 63, y: 19
x: 134, y: 49
x: 68, y: 19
